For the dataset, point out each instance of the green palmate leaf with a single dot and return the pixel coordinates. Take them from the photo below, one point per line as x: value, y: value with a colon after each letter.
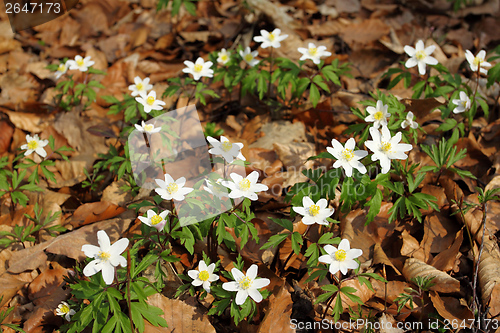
x: 275, y: 240
x: 297, y: 241
x: 314, y: 94
x: 287, y: 224
x: 375, y: 203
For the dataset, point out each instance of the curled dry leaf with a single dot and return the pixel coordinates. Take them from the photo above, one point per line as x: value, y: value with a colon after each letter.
x: 489, y: 276
x: 362, y: 291
x: 380, y: 257
x: 442, y: 281
x: 450, y: 308
x: 94, y: 212
x: 280, y: 310
x: 69, y: 244
x: 46, y: 293
x: 411, y: 247
x: 449, y: 259
x: 183, y: 315
x: 393, y: 290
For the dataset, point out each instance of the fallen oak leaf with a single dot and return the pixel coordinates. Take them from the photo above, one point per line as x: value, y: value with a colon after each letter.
x: 181, y: 316
x: 450, y: 308
x: 69, y: 244
x: 94, y: 212
x: 442, y: 281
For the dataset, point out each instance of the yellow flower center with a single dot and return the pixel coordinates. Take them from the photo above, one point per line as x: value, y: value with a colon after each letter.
x: 139, y: 86
x: 477, y: 61
x: 104, y: 256
x: 64, y: 309
x: 386, y: 147
x: 61, y: 68
x: 33, y: 144
x: 245, y: 185
x: 314, y: 210
x: 420, y: 55
x: 226, y: 146
x: 198, y: 68
x: 271, y: 37
x: 464, y: 104
x: 245, y: 283
x: 224, y: 57
x: 149, y: 128
x: 249, y: 57
x: 313, y: 51
x: 80, y: 62
x: 150, y: 100
x: 204, y: 275
x: 340, y: 255
x: 378, y: 115
x: 347, y: 154
x: 156, y: 219
x: 172, y: 188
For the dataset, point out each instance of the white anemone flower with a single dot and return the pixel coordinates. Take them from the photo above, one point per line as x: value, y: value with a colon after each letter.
x: 341, y: 259
x: 409, y: 121
x: 347, y: 157
x: 420, y: 56
x: 463, y: 104
x: 477, y: 61
x: 80, y: 63
x: 34, y: 144
x: 246, y: 285
x: 150, y: 102
x: 378, y: 114
x: 170, y: 189
x: 229, y: 151
x: 199, y: 69
x: 244, y: 187
x: 216, y: 188
x: 203, y: 275
x: 147, y: 128
x: 65, y: 311
x: 314, y: 212
x: 249, y: 56
x: 314, y: 53
x: 62, y: 69
x: 223, y: 57
x: 140, y: 87
x: 154, y: 220
x: 386, y: 148
x: 272, y: 39
x: 106, y: 256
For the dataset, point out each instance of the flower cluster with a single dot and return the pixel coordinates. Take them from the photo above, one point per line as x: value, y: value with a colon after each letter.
x: 341, y: 258
x: 106, y: 256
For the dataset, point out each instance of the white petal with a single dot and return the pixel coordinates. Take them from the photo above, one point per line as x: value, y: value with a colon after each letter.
x: 344, y: 245
x: 103, y: 240
x: 252, y: 272
x: 90, y: 250
x: 255, y: 295
x: 119, y: 246
x: 241, y: 297
x: 108, y: 273
x: 231, y: 286
x: 92, y: 268
x: 260, y: 283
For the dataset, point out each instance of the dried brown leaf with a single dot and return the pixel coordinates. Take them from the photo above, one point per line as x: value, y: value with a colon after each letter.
x: 489, y: 276
x: 280, y: 310
x: 69, y: 244
x: 442, y: 281
x: 95, y: 211
x: 450, y: 308
x: 448, y: 260
x: 181, y: 316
